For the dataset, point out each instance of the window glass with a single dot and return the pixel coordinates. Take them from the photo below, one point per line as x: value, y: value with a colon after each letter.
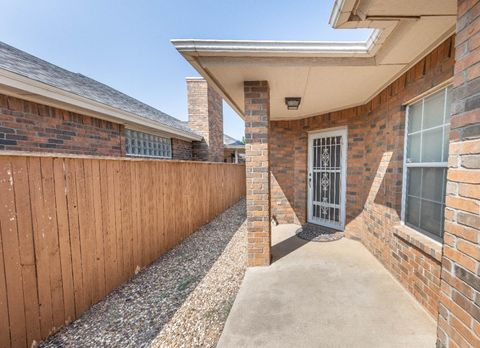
x: 415, y: 180
x: 148, y: 145
x: 433, y: 110
x: 413, y: 147
x: 432, y: 145
x: 413, y: 211
x: 431, y: 217
x: 446, y: 131
x: 415, y: 117
x: 432, y: 183
x: 426, y: 163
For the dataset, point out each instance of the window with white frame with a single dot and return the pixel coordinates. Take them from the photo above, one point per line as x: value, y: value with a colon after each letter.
x: 147, y: 145
x: 425, y: 163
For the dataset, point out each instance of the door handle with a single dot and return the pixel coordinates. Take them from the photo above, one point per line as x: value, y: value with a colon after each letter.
x: 309, y: 179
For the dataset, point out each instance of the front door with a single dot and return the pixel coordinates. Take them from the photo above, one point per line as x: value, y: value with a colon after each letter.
x: 327, y: 160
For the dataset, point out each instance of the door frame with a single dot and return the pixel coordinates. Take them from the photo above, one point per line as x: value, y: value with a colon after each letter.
x: 335, y: 131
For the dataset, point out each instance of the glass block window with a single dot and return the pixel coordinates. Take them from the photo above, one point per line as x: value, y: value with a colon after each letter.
x: 425, y: 164
x: 147, y: 145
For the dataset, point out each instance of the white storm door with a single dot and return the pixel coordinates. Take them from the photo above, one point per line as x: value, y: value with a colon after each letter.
x: 327, y: 162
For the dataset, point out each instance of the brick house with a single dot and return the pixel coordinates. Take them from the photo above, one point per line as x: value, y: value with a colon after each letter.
x: 379, y: 139
x: 234, y: 150
x: 46, y: 108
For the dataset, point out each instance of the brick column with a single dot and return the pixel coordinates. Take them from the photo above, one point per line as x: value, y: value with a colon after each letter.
x: 205, y: 116
x: 257, y: 116
x: 459, y: 308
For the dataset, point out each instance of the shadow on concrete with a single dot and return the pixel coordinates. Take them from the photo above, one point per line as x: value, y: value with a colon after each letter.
x: 287, y: 246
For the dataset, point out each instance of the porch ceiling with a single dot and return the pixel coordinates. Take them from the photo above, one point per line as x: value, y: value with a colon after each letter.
x: 327, y: 76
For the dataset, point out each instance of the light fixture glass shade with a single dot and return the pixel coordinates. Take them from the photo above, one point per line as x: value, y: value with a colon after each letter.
x: 292, y: 102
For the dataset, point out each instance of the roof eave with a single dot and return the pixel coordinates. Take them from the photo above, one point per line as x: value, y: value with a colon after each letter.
x: 192, y: 50
x: 341, y: 11
x: 32, y: 90
x: 253, y: 48
x: 233, y: 147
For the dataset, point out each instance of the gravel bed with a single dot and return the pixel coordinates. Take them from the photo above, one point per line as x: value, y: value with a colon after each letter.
x: 181, y: 300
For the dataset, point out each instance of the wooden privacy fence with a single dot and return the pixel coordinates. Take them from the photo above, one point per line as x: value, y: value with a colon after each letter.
x: 72, y: 229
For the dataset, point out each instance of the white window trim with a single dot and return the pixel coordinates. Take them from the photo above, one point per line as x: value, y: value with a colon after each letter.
x: 421, y: 164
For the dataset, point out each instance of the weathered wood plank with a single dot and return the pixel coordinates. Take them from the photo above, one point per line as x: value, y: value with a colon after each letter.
x: 111, y: 237
x: 72, y: 229
x: 90, y: 236
x: 127, y: 234
x: 11, y: 256
x: 4, y: 320
x: 64, y: 239
x: 41, y: 246
x: 84, y: 220
x: 136, y: 228
x: 121, y: 275
x: 99, y: 235
x: 27, y: 251
x: 51, y: 233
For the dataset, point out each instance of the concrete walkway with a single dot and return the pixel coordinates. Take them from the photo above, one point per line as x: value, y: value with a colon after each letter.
x: 332, y: 294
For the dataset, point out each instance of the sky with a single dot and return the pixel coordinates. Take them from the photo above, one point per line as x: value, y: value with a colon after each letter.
x: 126, y: 44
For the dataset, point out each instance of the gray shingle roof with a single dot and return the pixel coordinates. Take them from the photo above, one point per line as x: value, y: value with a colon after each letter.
x: 22, y: 63
x: 228, y: 140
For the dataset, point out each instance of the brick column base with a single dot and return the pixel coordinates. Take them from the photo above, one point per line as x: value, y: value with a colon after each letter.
x: 257, y: 116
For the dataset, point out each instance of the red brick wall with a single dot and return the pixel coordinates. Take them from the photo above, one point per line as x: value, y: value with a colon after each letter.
x: 257, y: 115
x: 205, y: 115
x: 28, y: 126
x: 181, y: 149
x: 459, y: 314
x: 374, y: 174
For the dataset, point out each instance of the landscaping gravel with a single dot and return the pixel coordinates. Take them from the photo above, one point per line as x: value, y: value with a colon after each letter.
x: 181, y: 300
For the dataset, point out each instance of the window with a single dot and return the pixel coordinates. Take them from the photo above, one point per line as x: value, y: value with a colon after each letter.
x: 147, y: 145
x: 425, y: 164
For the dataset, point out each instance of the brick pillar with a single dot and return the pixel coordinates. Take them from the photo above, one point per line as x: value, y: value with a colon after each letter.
x: 459, y: 308
x: 257, y: 116
x: 205, y: 116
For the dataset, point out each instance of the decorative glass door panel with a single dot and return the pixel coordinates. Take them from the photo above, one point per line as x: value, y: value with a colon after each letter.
x: 326, y: 178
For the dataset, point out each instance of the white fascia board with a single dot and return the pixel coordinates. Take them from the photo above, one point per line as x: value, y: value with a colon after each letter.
x: 341, y: 11
x: 26, y: 88
x: 281, y: 48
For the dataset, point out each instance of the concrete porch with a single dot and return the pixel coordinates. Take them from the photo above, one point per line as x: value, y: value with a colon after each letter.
x: 333, y: 294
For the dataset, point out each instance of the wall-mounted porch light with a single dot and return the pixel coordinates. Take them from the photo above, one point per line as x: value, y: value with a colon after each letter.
x: 292, y: 102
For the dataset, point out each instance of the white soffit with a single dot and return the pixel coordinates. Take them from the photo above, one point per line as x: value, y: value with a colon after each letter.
x: 328, y: 76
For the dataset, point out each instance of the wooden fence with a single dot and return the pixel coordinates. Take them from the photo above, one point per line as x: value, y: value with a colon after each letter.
x: 72, y: 229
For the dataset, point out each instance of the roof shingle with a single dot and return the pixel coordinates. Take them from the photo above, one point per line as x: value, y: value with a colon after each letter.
x: 22, y: 63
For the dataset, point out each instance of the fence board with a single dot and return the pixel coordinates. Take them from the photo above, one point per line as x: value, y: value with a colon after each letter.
x: 99, y: 246
x: 41, y: 249
x: 4, y: 320
x: 27, y: 255
x: 64, y: 239
x: 73, y: 229
x: 111, y: 248
x: 90, y: 237
x: 51, y: 237
x: 11, y: 254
